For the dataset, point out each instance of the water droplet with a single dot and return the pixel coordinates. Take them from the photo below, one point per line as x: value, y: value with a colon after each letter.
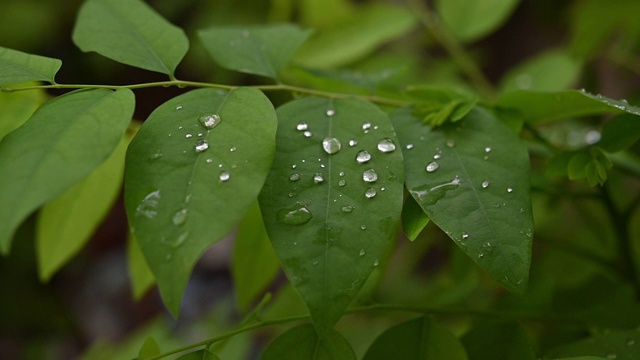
x: 362, y: 252
x: 296, y: 215
x: 188, y: 136
x: 363, y: 156
x: 342, y: 182
x: 386, y: 145
x: 209, y: 160
x: 376, y: 262
x: 431, y: 195
x: 307, y: 134
x: 409, y: 146
x: 157, y: 155
x: 375, y: 127
x: 331, y: 145
x: 363, y: 227
x: 369, y: 193
x: 369, y: 175
x: 366, y: 126
x: 451, y: 143
x: 465, y: 235
x: 148, y: 206
x: 294, y: 177
x: 294, y: 166
x: 180, y: 217
x: 210, y: 121
x: 315, y: 262
x: 233, y: 148
x: 178, y: 107
x: 485, y: 184
x: 180, y: 127
x: 317, y: 178
x: 331, y: 112
x: 224, y: 176
x: 487, y: 149
x: 302, y: 126
x: 341, y: 173
x: 347, y: 209
x: 509, y: 190
x: 480, y: 255
x: 200, y: 135
x: 631, y: 342
x: 292, y: 195
x: 201, y: 145
x: 432, y: 166
x: 353, y: 142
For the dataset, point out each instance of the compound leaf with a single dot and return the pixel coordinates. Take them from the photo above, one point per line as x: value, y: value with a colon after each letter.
x: 20, y: 67
x: 303, y: 342
x: 192, y: 172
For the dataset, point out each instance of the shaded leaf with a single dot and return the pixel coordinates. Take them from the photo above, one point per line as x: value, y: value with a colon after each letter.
x: 261, y: 50
x: 254, y: 264
x: 416, y: 339
x: 471, y: 20
x: 130, y: 32
x: 435, y: 104
x: 64, y: 140
x: 472, y: 179
x: 414, y: 220
x: 365, y: 80
x: 141, y: 276
x: 327, y: 224
x: 620, y: 133
x: 17, y: 107
x: 498, y: 341
x: 303, y: 342
x: 549, y: 71
x: 620, y: 345
x: 204, y: 354
x: 192, y: 172
x: 592, y: 164
x: 149, y: 349
x: 20, y: 67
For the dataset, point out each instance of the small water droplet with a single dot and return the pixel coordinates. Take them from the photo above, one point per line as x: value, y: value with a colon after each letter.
x: 342, y: 182
x: 362, y: 252
x: 296, y: 215
x: 148, y: 206
x: 480, y: 255
x: 509, y: 190
x: 331, y: 112
x: 376, y: 262
x: 188, y: 136
x: 209, y: 160
x: 347, y: 209
x: 386, y: 145
x: 315, y: 262
x: 318, y: 178
x: 375, y: 127
x: 369, y: 193
x: 341, y: 173
x: 294, y: 177
x: 487, y: 149
x: 363, y: 156
x: 369, y: 175
x: 432, y: 166
x: 363, y: 227
x: 451, y: 143
x: 302, y: 126
x: 294, y: 166
x: 201, y: 145
x: 178, y: 107
x: 331, y: 145
x: 307, y: 134
x: 465, y: 235
x: 157, y: 155
x: 292, y: 195
x: 180, y: 217
x: 180, y: 127
x: 224, y: 176
x: 409, y: 146
x: 210, y: 121
x: 366, y: 126
x: 485, y: 184
x: 233, y: 148
x: 353, y: 142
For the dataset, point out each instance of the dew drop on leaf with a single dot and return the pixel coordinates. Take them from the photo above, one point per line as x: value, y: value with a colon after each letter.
x: 148, y: 206
x: 342, y: 182
x: 369, y: 193
x: 331, y: 112
x: 376, y: 262
x: 432, y: 166
x: 318, y: 178
x: 450, y: 143
x: 465, y: 235
x: 363, y: 227
x: 366, y: 126
x: 409, y: 146
x: 437, y: 157
x: 509, y: 190
x: 178, y: 107
x: 224, y: 176
x: 188, y: 136
x: 363, y: 156
x: 155, y: 156
x: 369, y: 175
x: 386, y: 145
x: 201, y: 145
x: 294, y: 177
x: 302, y: 126
x: 353, y: 142
x: 296, y: 215
x: 347, y: 209
x: 487, y: 149
x: 485, y: 184
x: 362, y: 252
x: 341, y: 173
x: 307, y: 134
x: 180, y: 217
x: 331, y: 145
x: 210, y: 121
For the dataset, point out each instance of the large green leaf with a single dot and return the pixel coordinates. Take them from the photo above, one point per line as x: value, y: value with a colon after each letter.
x: 17, y: 107
x: 19, y: 67
x: 537, y: 106
x: 66, y: 223
x: 416, y: 339
x: 472, y: 180
x: 470, y: 20
x: 550, y: 71
x: 620, y: 345
x: 192, y: 172
x: 303, y: 342
x: 130, y: 32
x: 620, y: 132
x: 62, y: 142
x: 328, y: 225
x: 498, y: 341
x: 261, y: 50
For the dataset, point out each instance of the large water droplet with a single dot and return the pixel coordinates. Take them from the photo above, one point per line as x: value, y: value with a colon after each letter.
x: 386, y: 145
x: 294, y: 177
x: 224, y: 176
x: 353, y: 142
x: 363, y: 156
x: 369, y: 175
x: 201, y: 145
x: 180, y: 217
x: 148, y: 206
x: 347, y: 209
x: 342, y: 182
x: 366, y: 126
x: 331, y: 145
x: 307, y: 134
x: 432, y: 166
x: 296, y: 215
x: 369, y: 193
x: 318, y: 178
x: 302, y: 126
x: 331, y: 112
x: 210, y: 121
x: 485, y: 184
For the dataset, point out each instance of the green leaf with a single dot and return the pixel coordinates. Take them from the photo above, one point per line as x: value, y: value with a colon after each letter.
x: 261, y: 50
x: 192, y: 171
x: 17, y: 107
x: 472, y: 179
x: 67, y: 222
x: 620, y: 133
x: 365, y: 80
x: 149, y: 349
x: 550, y: 71
x: 303, y: 342
x: 20, y: 67
x: 64, y: 141
x: 328, y: 225
x: 414, y: 220
x: 141, y: 276
x: 471, y: 20
x: 416, y: 339
x: 435, y: 104
x: 591, y: 163
x: 130, y: 32
x: 609, y: 345
x: 537, y: 106
x: 356, y: 37
x: 203, y: 354
x: 254, y: 264
x: 498, y: 341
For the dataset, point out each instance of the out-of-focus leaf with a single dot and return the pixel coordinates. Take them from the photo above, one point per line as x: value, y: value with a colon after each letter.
x: 20, y: 67
x: 471, y: 20
x: 592, y: 164
x: 436, y: 105
x: 149, y: 349
x: 498, y: 341
x: 550, y: 71
x: 369, y: 81
x: 203, y: 354
x: 619, y: 345
x: 303, y: 342
x: 414, y: 220
x: 141, y: 276
x: 17, y: 107
x: 620, y: 132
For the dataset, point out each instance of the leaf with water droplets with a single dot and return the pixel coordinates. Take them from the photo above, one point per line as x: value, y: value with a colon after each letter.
x: 261, y: 50
x: 611, y: 344
x: 64, y: 141
x: 191, y: 197
x: 18, y: 67
x: 455, y: 199
x: 304, y: 342
x: 321, y: 222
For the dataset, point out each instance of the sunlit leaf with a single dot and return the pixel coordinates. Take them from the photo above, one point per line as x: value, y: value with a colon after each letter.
x: 141, y: 276
x: 260, y: 50
x: 472, y: 179
x: 149, y: 349
x: 192, y: 172
x: 130, y: 32
x: 303, y: 342
x: 330, y: 216
x: 620, y: 132
x: 62, y: 142
x: 20, y: 67
x: 494, y: 341
x: 550, y: 71
x: 470, y: 20
x: 414, y: 220
x: 416, y: 339
x: 608, y: 345
x: 17, y: 107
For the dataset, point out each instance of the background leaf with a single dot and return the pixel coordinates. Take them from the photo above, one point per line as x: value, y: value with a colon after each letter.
x: 17, y: 107
x: 327, y: 224
x: 302, y: 342
x: 496, y: 341
x: 414, y: 220
x: 130, y: 32
x: 204, y: 354
x: 472, y: 180
x: 19, y: 67
x: 620, y: 132
x: 141, y: 276
x: 471, y: 20
x: 149, y: 349
x: 549, y: 71
x: 609, y: 345
x: 260, y: 50
x: 416, y: 339
x: 62, y: 142
x: 192, y: 172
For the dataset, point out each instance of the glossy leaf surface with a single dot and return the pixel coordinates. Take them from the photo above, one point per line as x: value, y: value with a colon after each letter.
x: 472, y: 179
x: 260, y: 50
x: 64, y: 141
x: 302, y: 342
x: 192, y: 172
x: 20, y: 67
x: 130, y: 32
x: 330, y: 216
x: 470, y: 20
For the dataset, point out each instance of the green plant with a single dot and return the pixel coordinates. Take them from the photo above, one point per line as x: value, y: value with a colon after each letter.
x: 346, y: 157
